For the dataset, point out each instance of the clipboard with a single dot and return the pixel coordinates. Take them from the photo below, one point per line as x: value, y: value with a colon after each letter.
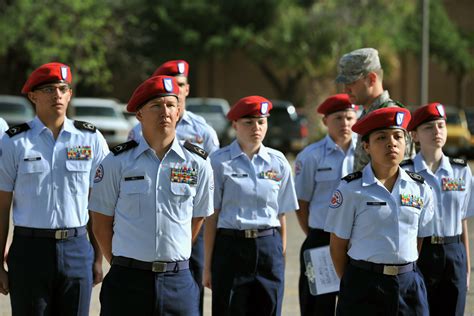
x: 320, y: 272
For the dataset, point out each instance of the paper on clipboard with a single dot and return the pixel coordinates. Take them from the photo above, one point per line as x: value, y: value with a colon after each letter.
x: 322, y: 277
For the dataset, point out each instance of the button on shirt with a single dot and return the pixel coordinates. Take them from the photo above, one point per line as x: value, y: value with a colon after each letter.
x: 252, y: 193
x: 318, y: 171
x: 192, y: 128
x: 452, y: 192
x: 153, y: 201
x: 382, y: 227
x: 50, y: 178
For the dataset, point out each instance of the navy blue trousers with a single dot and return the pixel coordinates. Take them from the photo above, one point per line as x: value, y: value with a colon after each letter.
x: 368, y: 293
x: 50, y: 277
x: 196, y: 264
x: 128, y: 291
x: 247, y: 275
x: 444, y: 271
x: 310, y: 305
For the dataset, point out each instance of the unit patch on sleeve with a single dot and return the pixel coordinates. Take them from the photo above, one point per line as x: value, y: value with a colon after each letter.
x: 336, y: 199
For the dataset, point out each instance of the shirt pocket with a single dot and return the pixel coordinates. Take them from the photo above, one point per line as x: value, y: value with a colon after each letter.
x: 132, y: 197
x: 30, y: 174
x: 77, y: 176
x: 410, y: 216
x: 182, y: 200
x: 325, y: 174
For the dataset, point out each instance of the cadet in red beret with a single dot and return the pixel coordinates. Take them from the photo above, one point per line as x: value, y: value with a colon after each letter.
x: 444, y: 258
x: 318, y: 170
x: 383, y: 212
x: 46, y: 171
x: 148, y: 206
x: 245, y: 239
x: 193, y: 128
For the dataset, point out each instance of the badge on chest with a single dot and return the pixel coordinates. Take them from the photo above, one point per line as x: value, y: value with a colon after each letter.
x: 79, y: 153
x: 452, y: 184
x: 411, y: 200
x: 184, y: 174
x: 270, y: 174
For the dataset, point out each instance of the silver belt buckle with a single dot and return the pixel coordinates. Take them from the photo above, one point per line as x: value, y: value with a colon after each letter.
x: 251, y: 233
x: 390, y: 270
x: 61, y: 234
x: 158, y: 266
x: 437, y: 240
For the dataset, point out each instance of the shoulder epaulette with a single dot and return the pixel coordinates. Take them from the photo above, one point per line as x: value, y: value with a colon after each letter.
x: 196, y: 149
x: 406, y: 162
x: 458, y: 161
x: 124, y: 147
x: 415, y: 176
x: 85, y: 126
x: 17, y: 129
x: 353, y: 176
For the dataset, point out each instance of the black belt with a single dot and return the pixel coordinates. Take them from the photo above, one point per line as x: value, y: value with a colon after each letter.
x: 385, y: 269
x: 50, y: 233
x: 155, y: 266
x: 248, y: 233
x: 438, y: 240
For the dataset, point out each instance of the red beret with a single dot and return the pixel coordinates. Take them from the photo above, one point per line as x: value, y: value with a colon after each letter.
x: 173, y: 68
x: 430, y: 112
x: 391, y: 117
x: 250, y: 106
x: 336, y: 103
x: 48, y: 73
x: 154, y: 87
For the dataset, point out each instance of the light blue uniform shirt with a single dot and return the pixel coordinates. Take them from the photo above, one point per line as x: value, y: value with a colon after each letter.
x: 3, y: 126
x: 452, y: 192
x: 50, y: 179
x: 152, y: 210
x: 192, y: 128
x: 380, y: 227
x: 318, y: 171
x: 252, y: 193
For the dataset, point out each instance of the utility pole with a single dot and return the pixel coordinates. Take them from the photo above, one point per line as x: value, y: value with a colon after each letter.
x: 425, y: 52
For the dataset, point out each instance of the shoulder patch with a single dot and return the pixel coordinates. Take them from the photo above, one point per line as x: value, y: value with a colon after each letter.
x: 458, y: 161
x: 124, y: 147
x: 86, y: 126
x: 195, y: 149
x: 17, y: 129
x: 353, y: 176
x: 415, y: 176
x: 406, y: 162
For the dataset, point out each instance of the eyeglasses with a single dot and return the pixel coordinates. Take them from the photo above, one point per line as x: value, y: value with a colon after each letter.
x: 52, y: 89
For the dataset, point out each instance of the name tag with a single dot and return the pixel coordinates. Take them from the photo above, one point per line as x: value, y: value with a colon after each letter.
x: 377, y: 203
x: 134, y: 178
x: 32, y: 159
x: 324, y: 169
x: 239, y: 175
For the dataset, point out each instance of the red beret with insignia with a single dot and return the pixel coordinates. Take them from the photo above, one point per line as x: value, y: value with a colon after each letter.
x: 154, y: 87
x: 430, y: 112
x: 391, y: 117
x: 336, y: 103
x: 252, y: 106
x: 48, y: 73
x: 173, y: 68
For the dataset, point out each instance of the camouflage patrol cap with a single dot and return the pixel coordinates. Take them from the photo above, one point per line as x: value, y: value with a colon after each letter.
x: 352, y: 66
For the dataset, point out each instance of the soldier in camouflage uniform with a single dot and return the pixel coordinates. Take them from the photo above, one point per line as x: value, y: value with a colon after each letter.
x: 361, y: 74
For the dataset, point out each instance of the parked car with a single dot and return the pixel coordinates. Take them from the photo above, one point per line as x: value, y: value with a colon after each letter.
x: 105, y: 115
x: 287, y: 130
x: 459, y: 137
x: 15, y: 110
x: 214, y: 111
x: 470, y: 125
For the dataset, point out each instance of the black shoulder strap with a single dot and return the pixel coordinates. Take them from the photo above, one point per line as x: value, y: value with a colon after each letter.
x: 17, y: 129
x: 124, y: 147
x: 353, y: 176
x: 458, y: 161
x: 415, y: 176
x: 406, y: 162
x: 195, y: 149
x: 86, y: 126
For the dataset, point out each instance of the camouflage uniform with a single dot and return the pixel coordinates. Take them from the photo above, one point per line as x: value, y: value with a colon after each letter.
x: 352, y: 67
